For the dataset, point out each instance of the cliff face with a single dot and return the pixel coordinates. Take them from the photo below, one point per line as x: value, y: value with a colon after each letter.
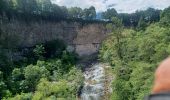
x: 85, y: 39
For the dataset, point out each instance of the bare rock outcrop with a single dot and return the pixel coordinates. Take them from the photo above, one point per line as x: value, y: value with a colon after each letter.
x: 85, y: 39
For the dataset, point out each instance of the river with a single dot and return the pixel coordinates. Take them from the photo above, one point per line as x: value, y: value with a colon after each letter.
x: 97, y: 84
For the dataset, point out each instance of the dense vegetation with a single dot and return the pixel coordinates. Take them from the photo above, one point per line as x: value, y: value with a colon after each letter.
x: 47, y: 71
x: 43, y: 9
x: 134, y: 56
x: 149, y: 15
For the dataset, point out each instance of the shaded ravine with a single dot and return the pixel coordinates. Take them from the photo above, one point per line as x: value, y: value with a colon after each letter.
x: 97, y: 83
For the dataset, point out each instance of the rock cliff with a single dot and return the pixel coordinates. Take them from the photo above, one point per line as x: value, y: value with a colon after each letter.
x: 83, y: 38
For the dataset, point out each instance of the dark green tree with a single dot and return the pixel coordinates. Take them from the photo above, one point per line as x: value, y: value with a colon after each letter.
x: 109, y: 14
x: 32, y: 74
x: 89, y: 13
x: 39, y: 51
x: 141, y: 24
x: 165, y: 15
x: 75, y: 12
x: 117, y: 28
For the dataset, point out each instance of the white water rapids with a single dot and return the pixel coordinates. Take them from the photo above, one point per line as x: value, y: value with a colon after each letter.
x: 95, y: 83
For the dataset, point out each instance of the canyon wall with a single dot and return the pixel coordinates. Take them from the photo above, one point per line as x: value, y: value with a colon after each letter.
x: 83, y: 38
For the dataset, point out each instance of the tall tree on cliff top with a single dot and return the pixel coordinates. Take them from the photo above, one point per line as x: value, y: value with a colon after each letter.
x: 89, y: 13
x: 27, y: 6
x: 75, y: 12
x: 44, y: 6
x: 165, y: 17
x: 109, y: 14
x: 1, y: 6
x: 117, y: 28
x: 64, y: 12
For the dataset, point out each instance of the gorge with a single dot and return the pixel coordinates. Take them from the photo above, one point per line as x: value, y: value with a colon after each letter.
x: 83, y: 38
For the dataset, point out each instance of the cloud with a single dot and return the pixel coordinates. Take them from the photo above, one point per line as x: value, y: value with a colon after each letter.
x: 127, y: 6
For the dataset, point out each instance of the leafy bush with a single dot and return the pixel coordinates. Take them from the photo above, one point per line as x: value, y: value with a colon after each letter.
x: 39, y: 50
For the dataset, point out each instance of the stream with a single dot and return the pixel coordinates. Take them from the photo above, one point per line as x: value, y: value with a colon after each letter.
x: 96, y: 85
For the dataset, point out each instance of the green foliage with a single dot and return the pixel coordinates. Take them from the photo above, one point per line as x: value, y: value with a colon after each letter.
x: 89, y: 13
x: 16, y: 74
x: 22, y: 96
x: 16, y: 81
x: 75, y: 12
x: 165, y: 15
x: 46, y: 89
x: 75, y: 78
x: 149, y: 15
x: 33, y: 73
x: 50, y: 79
x: 109, y: 14
x: 116, y: 28
x: 2, y: 5
x: 54, y: 65
x: 39, y: 50
x: 141, y: 71
x: 65, y: 87
x: 2, y: 85
x: 68, y: 58
x: 43, y: 9
x: 133, y: 54
x: 141, y: 24
x: 141, y: 51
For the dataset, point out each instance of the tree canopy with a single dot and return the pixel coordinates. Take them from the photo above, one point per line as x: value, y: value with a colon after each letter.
x: 44, y: 9
x: 150, y: 15
x: 134, y: 56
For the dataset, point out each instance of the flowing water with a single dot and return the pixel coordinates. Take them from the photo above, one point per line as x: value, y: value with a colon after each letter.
x: 95, y: 83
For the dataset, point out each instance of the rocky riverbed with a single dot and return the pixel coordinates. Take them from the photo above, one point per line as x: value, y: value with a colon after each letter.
x: 97, y: 84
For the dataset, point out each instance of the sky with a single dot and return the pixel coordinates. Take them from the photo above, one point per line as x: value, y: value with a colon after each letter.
x: 122, y: 6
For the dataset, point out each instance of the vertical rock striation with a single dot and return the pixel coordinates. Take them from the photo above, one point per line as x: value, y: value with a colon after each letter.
x: 84, y: 38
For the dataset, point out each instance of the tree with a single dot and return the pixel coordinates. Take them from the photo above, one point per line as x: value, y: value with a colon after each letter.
x: 89, y: 13
x: 2, y: 5
x: 27, y: 6
x: 131, y: 20
x: 151, y: 15
x: 45, y: 7
x: 33, y: 74
x: 165, y: 15
x: 75, y: 77
x: 64, y: 12
x: 75, y: 12
x: 117, y: 28
x: 56, y: 11
x: 141, y: 24
x: 109, y: 14
x: 39, y: 50
x: 22, y: 96
x: 141, y: 52
x: 46, y: 89
x: 16, y: 80
x: 2, y: 86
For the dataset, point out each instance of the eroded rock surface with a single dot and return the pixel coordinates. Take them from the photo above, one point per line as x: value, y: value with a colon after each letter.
x: 85, y: 39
